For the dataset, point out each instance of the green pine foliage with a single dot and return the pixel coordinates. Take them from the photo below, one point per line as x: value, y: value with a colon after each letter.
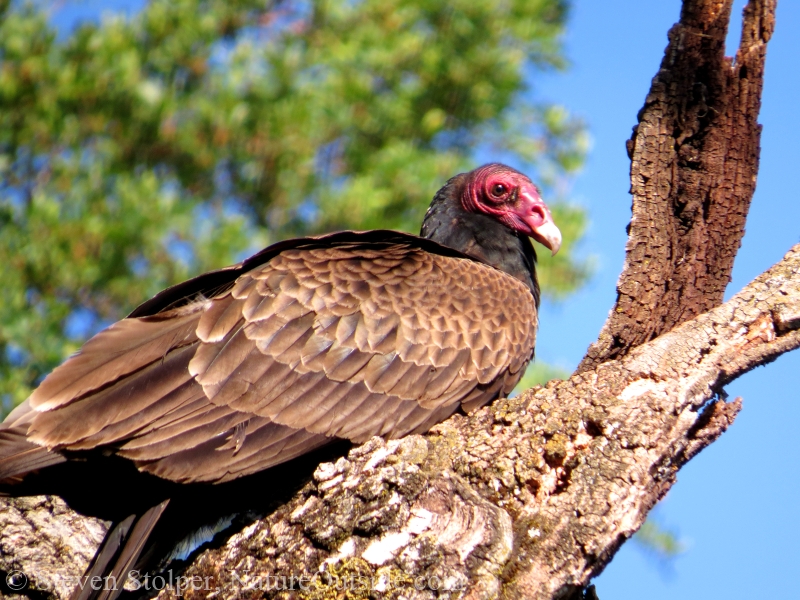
x: 659, y: 542
x: 139, y: 151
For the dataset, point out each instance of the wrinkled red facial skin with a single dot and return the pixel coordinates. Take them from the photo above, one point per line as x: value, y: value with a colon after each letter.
x: 519, y: 207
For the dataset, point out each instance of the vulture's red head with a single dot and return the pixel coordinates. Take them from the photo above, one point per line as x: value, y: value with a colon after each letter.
x: 510, y: 197
x: 490, y: 214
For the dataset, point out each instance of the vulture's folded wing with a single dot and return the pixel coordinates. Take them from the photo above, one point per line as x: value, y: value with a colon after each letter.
x: 351, y: 340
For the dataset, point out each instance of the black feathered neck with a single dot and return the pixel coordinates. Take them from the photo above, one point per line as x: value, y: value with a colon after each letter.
x: 479, y: 236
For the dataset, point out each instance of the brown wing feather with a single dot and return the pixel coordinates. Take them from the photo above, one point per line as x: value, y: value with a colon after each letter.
x: 354, y: 340
x: 123, y: 348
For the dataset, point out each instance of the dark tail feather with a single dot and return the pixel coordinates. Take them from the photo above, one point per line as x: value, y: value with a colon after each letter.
x: 123, y: 545
x: 107, y: 551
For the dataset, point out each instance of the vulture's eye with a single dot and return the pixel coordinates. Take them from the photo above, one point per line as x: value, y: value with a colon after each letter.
x: 498, y: 190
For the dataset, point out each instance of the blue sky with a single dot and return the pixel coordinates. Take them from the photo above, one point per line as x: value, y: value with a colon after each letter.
x: 734, y: 505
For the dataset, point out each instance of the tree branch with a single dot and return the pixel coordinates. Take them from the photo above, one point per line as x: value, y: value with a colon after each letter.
x: 694, y: 160
x: 44, y: 546
x: 530, y: 497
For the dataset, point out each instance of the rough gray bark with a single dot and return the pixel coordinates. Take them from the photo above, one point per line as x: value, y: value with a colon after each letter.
x: 44, y: 545
x: 531, y: 497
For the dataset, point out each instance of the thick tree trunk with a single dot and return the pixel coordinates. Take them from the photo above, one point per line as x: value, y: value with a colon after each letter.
x: 694, y: 161
x: 531, y: 497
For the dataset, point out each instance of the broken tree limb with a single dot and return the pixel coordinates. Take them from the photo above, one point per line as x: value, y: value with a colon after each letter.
x: 694, y: 160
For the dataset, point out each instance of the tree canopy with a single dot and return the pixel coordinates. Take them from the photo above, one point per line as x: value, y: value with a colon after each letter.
x: 136, y: 152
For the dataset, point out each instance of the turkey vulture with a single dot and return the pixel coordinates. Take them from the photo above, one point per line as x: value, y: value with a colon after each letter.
x: 342, y: 336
